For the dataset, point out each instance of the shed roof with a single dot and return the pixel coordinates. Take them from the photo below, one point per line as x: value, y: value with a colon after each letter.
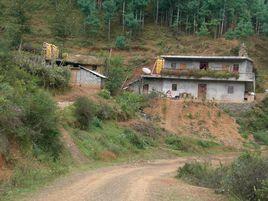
x: 93, y: 72
x: 211, y: 58
x: 85, y: 60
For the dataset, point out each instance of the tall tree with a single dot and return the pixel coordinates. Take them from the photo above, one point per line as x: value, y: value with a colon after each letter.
x: 109, y: 7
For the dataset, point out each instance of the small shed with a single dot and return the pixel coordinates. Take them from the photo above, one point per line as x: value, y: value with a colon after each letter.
x: 84, y: 76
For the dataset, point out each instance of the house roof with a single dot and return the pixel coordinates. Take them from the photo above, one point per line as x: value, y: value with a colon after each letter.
x: 84, y: 60
x: 93, y: 72
x: 210, y: 58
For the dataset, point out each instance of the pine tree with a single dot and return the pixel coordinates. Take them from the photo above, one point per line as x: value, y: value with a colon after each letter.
x: 109, y: 7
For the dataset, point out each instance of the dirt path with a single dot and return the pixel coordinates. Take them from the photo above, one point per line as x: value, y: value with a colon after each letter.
x: 153, y: 181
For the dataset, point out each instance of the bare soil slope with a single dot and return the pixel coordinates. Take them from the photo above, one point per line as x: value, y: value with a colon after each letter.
x: 196, y: 119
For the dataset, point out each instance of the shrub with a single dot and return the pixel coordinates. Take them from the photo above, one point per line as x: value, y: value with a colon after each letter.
x: 120, y: 42
x: 130, y: 103
x: 48, y: 76
x: 137, y: 140
x: 41, y: 119
x: 116, y: 76
x: 200, y: 73
x: 106, y: 112
x: 255, y: 121
x: 85, y: 111
x: 188, y: 144
x: 97, y: 122
x: 246, y: 177
x: 105, y: 94
x: 203, y: 31
x: 243, y: 30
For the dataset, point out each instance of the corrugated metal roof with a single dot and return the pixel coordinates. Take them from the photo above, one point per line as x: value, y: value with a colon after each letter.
x: 205, y: 57
x: 93, y: 72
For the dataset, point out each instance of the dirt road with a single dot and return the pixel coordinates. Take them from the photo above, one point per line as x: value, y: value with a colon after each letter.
x: 151, y: 181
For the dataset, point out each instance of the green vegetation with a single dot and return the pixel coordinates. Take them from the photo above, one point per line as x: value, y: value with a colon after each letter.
x: 256, y: 122
x: 116, y: 75
x: 120, y: 42
x: 110, y: 141
x: 28, y: 114
x: 187, y: 144
x: 130, y: 103
x: 200, y: 73
x: 50, y: 77
x: 246, y: 178
x: 85, y: 110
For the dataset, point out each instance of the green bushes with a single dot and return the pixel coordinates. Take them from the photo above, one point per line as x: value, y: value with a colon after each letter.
x: 188, y: 144
x: 245, y: 178
x: 126, y: 106
x: 130, y: 103
x: 139, y: 141
x: 120, y: 42
x: 31, y: 118
x: 52, y: 77
x: 105, y: 94
x: 42, y: 122
x: 256, y: 122
x: 116, y: 75
x: 201, y: 174
x: 110, y: 138
x: 85, y: 111
x: 200, y: 73
x: 244, y: 29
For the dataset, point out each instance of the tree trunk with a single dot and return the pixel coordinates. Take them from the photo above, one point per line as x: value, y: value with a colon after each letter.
x: 123, y: 21
x: 109, y: 29
x: 171, y: 17
x: 177, y: 19
x: 157, y: 11
x: 223, y: 19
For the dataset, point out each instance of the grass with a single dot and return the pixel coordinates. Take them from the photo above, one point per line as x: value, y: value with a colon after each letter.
x: 31, y: 174
x: 245, y: 178
x: 109, y: 141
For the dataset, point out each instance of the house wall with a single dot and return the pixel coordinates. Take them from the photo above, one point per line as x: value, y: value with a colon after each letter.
x: 215, y: 90
x: 86, y: 78
x: 245, y: 67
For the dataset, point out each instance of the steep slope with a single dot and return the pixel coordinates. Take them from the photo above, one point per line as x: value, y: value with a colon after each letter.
x: 196, y: 119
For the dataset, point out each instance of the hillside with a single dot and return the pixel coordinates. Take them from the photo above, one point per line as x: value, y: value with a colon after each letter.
x: 45, y: 18
x: 199, y: 120
x: 49, y: 128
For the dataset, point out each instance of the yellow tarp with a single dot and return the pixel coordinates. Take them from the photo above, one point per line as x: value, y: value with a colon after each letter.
x: 159, y: 65
x: 50, y: 51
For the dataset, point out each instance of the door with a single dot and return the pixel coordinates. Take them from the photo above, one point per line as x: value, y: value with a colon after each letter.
x: 145, y: 89
x: 202, y: 91
x: 74, y: 76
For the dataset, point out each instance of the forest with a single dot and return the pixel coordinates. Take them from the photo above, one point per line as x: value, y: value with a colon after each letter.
x: 89, y: 18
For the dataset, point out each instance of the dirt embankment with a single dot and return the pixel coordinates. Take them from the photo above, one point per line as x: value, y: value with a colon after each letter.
x: 196, y: 119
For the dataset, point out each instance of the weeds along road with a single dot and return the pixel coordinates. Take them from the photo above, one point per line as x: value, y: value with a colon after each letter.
x: 152, y: 181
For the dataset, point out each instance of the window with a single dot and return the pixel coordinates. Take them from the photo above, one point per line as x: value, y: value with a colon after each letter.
x: 249, y: 69
x: 173, y: 65
x: 230, y: 89
x: 145, y: 88
x: 94, y: 68
x: 174, y: 87
x: 236, y: 68
x: 183, y: 66
x: 204, y: 65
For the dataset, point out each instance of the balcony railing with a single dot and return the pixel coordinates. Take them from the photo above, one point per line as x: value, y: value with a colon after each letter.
x: 200, y: 73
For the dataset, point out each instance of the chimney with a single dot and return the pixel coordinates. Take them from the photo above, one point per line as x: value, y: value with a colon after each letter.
x: 243, y: 50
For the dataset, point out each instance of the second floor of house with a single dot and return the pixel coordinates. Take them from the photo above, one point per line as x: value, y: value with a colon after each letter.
x: 225, y: 67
